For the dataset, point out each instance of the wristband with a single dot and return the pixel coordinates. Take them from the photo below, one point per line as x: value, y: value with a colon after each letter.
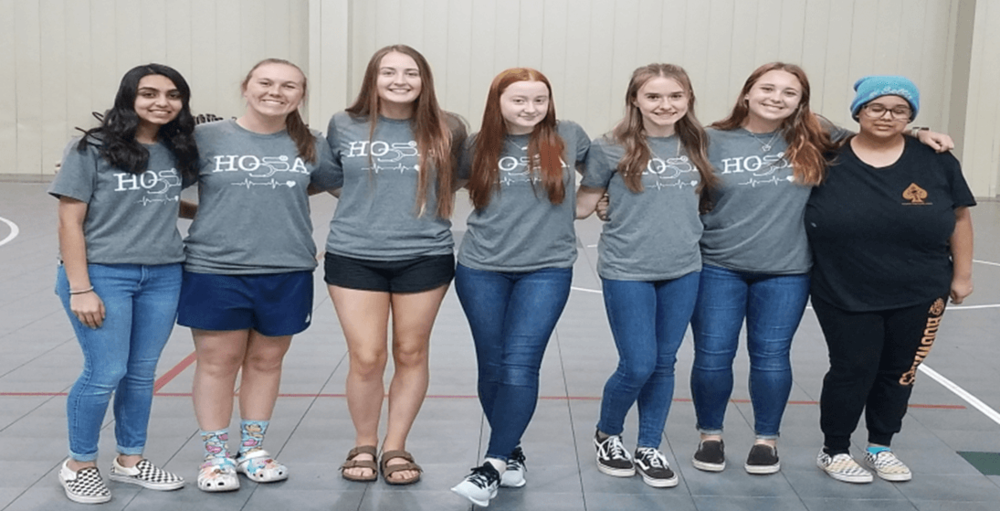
x: 915, y: 131
x: 82, y: 291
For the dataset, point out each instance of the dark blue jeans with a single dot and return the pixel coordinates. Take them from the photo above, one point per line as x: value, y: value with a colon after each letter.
x: 773, y: 306
x: 512, y: 316
x: 648, y: 321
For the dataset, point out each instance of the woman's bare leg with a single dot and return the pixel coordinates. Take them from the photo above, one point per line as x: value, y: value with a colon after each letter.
x: 364, y: 316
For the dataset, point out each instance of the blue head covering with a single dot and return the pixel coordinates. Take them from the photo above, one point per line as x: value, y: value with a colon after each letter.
x: 871, y: 87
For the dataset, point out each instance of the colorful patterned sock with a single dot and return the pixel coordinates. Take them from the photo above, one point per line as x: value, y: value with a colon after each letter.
x: 216, y: 443
x: 252, y: 435
x: 875, y: 449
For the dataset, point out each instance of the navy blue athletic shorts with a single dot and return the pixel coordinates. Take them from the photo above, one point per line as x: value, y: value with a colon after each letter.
x: 274, y: 304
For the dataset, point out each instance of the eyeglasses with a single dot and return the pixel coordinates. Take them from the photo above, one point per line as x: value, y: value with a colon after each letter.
x: 877, y: 110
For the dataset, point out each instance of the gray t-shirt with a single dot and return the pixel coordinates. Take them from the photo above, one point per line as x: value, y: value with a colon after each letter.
x: 520, y: 230
x: 131, y: 218
x: 651, y: 235
x: 376, y: 217
x: 757, y: 223
x: 253, y: 208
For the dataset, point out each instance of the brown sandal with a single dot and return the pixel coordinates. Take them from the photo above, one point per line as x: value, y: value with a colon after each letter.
x: 353, y: 463
x: 388, y: 470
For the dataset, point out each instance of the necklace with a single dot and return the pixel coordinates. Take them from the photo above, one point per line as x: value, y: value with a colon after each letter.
x: 653, y: 155
x: 764, y: 146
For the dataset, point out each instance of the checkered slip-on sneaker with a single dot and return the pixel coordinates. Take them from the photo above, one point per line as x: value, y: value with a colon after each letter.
x: 842, y: 467
x: 145, y: 474
x: 888, y: 466
x: 85, y: 486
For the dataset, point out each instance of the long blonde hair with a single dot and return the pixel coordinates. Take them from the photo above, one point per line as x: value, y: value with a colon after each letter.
x: 631, y: 134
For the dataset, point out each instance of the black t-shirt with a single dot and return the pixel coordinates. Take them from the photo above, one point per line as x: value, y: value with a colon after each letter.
x: 880, y: 236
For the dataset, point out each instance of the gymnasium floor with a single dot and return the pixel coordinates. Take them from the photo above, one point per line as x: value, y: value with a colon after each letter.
x: 311, y: 431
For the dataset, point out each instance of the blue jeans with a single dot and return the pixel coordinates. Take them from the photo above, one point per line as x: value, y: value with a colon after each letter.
x: 512, y: 316
x: 648, y: 321
x: 773, y: 306
x: 120, y: 356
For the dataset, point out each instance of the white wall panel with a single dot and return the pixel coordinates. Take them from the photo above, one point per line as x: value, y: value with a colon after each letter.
x: 52, y: 39
x: 129, y: 36
x: 28, y: 81
x: 152, y: 20
x: 587, y: 48
x: 981, y: 163
x: 8, y: 90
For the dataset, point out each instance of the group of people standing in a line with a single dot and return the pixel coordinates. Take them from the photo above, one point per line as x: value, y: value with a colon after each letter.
x: 712, y: 227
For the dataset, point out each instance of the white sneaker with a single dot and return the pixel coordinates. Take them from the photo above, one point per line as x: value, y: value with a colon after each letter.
x: 888, y: 466
x: 145, y: 474
x: 84, y: 486
x: 513, y: 477
x: 480, y: 486
x: 842, y: 467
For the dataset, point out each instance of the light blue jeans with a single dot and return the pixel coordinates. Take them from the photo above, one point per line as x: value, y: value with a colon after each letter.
x: 772, y: 306
x: 120, y: 356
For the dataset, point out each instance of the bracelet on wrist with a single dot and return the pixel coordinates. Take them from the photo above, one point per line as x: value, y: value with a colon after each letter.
x: 915, y: 131
x: 81, y: 291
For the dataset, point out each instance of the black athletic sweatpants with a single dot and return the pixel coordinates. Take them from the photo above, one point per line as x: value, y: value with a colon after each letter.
x: 873, y: 363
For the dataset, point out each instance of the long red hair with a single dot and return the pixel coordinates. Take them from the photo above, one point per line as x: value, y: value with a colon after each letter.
x: 544, y: 149
x: 429, y: 123
x: 807, y: 140
x: 631, y: 134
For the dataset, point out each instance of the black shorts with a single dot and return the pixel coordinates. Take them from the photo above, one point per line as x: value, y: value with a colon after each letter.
x: 407, y: 276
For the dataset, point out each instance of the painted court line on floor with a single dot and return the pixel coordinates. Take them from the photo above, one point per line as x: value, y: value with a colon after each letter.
x: 13, y: 231
x: 962, y: 393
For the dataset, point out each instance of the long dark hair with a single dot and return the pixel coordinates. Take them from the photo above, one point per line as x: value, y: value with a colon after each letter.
x: 545, y: 147
x: 116, y: 135
x: 432, y: 127
x: 631, y: 134
x: 305, y: 143
x: 807, y: 140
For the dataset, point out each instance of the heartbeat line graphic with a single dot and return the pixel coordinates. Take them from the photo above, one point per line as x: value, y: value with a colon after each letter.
x: 146, y: 200
x: 399, y: 166
x: 508, y: 179
x: 272, y: 183
x: 679, y: 184
x: 773, y: 180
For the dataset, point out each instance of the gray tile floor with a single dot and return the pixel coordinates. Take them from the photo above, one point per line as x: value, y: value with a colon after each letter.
x: 311, y: 431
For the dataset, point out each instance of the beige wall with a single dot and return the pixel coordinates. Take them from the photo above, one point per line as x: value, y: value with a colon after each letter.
x: 69, y: 54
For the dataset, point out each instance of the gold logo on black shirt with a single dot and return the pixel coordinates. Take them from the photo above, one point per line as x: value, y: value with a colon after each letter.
x: 915, y: 195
